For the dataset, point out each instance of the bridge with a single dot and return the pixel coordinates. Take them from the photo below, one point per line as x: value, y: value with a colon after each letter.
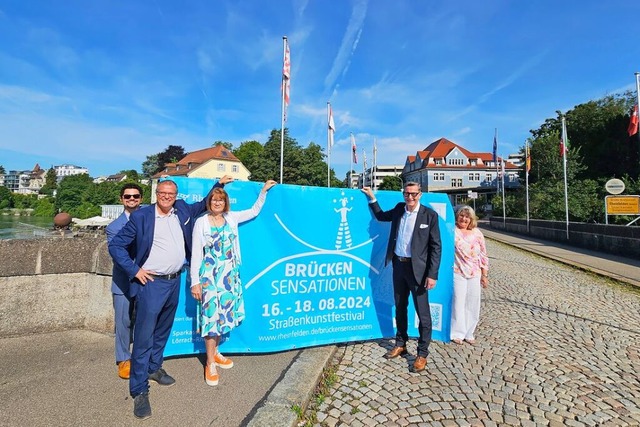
x: 558, y: 344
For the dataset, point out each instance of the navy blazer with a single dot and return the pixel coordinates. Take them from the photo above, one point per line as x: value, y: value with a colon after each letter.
x: 426, y: 246
x: 119, y: 278
x: 137, y: 236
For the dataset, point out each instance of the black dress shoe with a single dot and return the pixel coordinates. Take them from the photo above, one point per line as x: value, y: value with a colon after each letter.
x: 141, y: 406
x: 161, y: 377
x: 395, y: 352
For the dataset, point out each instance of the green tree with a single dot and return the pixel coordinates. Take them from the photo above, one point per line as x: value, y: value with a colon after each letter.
x: 2, y: 170
x: 6, y: 198
x: 227, y: 145
x: 45, y: 208
x: 50, y: 182
x: 73, y: 190
x: 250, y: 153
x: 132, y: 175
x: 393, y: 183
x: 84, y: 210
x: 150, y: 166
x: 24, y: 201
x: 155, y: 162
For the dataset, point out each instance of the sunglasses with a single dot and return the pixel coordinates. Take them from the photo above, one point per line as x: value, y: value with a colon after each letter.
x: 408, y: 194
x: 131, y: 196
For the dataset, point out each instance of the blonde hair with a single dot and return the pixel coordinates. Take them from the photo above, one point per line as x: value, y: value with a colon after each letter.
x: 469, y: 213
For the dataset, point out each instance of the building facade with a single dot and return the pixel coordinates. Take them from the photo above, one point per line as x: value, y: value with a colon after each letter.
x: 374, y: 176
x: 446, y: 167
x: 68, y: 170
x: 25, y: 182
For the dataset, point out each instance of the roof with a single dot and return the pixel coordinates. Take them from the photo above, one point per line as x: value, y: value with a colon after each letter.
x: 196, y: 158
x: 441, y: 148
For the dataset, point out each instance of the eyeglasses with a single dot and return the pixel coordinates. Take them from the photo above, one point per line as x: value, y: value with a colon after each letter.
x: 165, y: 194
x: 131, y: 196
x: 217, y: 201
x: 410, y: 194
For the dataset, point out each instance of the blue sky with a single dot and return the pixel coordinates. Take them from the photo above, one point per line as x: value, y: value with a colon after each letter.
x: 102, y: 84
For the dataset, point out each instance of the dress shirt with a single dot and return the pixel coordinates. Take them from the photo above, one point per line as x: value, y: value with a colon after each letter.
x: 405, y: 232
x: 167, y: 254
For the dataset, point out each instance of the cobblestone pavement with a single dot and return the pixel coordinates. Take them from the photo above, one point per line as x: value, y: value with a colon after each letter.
x: 555, y: 346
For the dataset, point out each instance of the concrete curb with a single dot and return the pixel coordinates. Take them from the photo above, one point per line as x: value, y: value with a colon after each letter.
x: 295, y: 388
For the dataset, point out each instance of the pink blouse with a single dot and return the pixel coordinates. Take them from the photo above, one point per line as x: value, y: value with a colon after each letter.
x: 470, y: 255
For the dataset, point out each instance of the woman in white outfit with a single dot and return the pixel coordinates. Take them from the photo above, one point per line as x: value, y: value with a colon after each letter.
x: 215, y: 279
x: 470, y: 274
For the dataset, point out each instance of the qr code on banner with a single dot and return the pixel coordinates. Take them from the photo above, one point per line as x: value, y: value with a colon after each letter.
x: 436, y: 316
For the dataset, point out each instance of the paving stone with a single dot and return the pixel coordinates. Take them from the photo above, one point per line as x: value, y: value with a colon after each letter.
x: 553, y: 349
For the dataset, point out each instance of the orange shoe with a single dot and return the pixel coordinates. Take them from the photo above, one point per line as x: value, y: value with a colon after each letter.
x: 124, y: 368
x: 211, y: 376
x: 223, y: 362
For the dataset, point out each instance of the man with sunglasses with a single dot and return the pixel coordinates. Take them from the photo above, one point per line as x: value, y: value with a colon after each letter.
x: 152, y: 248
x: 414, y: 249
x: 130, y: 197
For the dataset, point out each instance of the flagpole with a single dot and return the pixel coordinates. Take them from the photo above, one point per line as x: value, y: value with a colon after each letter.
x: 284, y: 59
x: 495, y: 160
x: 527, y: 165
x: 328, y: 145
x: 375, y: 164
x: 351, y: 164
x: 504, y: 209
x: 564, y: 167
x: 364, y: 165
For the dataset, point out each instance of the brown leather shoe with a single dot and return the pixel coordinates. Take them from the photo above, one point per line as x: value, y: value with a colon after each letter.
x: 123, y: 369
x: 395, y: 352
x: 419, y: 364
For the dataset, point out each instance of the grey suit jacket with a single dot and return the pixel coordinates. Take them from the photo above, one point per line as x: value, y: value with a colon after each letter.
x: 426, y: 246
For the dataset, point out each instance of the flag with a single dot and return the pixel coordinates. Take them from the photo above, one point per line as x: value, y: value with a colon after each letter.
x: 528, y: 159
x: 286, y: 76
x: 332, y: 126
x: 495, y: 148
x: 353, y: 149
x: 633, y: 121
x: 563, y: 148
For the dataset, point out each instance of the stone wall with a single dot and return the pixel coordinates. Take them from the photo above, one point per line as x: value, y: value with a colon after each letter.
x: 614, y: 239
x: 55, y: 284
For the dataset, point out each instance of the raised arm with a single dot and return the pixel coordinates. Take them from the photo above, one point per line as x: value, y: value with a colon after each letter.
x: 248, y: 214
x: 384, y: 216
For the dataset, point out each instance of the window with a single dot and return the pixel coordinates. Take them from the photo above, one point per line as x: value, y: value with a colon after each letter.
x: 234, y: 168
x: 474, y: 176
x: 489, y: 177
x: 456, y: 182
x: 438, y: 176
x: 455, y: 162
x: 221, y: 167
x: 438, y: 161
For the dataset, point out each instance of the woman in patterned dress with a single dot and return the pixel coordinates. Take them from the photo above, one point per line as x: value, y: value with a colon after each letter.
x: 470, y: 273
x: 215, y: 281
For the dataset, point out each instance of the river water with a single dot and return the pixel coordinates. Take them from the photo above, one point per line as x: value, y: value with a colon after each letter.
x: 24, y: 227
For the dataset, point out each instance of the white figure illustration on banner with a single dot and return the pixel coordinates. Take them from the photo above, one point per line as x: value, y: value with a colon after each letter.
x: 343, y: 228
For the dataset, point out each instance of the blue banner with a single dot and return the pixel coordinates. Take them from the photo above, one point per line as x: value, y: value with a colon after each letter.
x: 313, y: 270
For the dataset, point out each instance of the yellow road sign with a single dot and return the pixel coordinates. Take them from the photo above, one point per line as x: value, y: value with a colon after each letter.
x: 623, y: 205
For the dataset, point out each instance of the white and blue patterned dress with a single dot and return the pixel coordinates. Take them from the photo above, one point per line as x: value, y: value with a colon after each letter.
x: 222, y: 302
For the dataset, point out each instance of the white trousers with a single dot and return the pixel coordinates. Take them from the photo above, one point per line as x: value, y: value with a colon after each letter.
x: 466, y: 307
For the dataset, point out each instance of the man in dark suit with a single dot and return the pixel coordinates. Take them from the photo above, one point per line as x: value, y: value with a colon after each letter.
x: 414, y: 249
x: 130, y: 197
x: 152, y: 248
